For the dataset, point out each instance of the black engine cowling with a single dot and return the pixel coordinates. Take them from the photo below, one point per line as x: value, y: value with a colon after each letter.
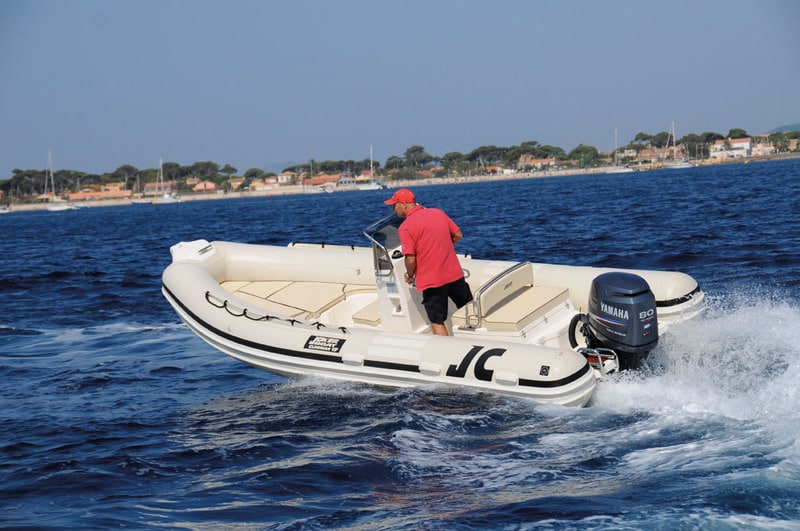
x: 622, y: 317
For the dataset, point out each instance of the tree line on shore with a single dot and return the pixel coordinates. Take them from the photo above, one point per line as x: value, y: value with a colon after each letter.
x: 29, y: 183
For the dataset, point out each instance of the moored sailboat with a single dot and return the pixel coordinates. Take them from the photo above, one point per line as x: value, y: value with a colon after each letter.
x: 617, y: 168
x: 57, y: 204
x: 674, y: 162
x: 165, y: 197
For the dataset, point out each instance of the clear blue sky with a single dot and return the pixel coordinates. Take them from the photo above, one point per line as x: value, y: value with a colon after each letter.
x: 266, y: 83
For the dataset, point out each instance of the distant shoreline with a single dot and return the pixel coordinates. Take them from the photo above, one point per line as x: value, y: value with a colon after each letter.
x: 300, y: 189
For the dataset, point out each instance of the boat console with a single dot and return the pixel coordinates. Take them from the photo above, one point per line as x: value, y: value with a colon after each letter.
x: 400, y: 302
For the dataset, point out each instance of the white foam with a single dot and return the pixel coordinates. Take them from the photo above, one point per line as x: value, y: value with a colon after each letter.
x: 740, y: 361
x: 727, y: 383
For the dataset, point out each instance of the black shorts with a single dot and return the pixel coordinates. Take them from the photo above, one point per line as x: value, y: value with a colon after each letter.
x: 435, y: 299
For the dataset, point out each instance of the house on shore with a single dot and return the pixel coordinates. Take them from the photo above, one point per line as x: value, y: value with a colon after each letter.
x: 527, y: 162
x: 732, y: 148
x: 167, y: 187
x: 205, y: 186
x: 105, y: 192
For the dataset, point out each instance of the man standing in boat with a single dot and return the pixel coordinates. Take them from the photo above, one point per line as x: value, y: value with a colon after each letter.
x: 428, y: 237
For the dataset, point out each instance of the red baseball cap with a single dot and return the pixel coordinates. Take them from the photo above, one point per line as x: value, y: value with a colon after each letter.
x: 403, y: 195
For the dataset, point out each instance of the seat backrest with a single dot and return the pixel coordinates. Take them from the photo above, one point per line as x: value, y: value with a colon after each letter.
x: 504, y: 286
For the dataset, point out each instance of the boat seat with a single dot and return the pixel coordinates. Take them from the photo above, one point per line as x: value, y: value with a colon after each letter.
x: 256, y: 293
x: 369, y: 314
x: 262, y: 288
x: 271, y: 308
x: 305, y: 300
x: 528, y: 306
x: 355, y: 289
x: 232, y: 286
x: 510, y: 302
x: 311, y: 297
x: 292, y: 299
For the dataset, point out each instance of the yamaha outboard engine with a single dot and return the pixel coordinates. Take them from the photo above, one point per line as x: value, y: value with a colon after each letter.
x: 622, y: 317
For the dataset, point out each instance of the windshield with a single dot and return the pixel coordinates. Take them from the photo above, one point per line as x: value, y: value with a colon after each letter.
x: 384, y: 236
x: 384, y: 232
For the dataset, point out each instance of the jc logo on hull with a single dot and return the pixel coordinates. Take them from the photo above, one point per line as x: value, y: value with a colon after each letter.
x: 480, y: 370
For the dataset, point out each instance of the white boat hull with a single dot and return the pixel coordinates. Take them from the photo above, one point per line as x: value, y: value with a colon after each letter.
x: 60, y: 207
x: 325, y: 311
x: 166, y: 199
x: 678, y: 165
x: 619, y: 169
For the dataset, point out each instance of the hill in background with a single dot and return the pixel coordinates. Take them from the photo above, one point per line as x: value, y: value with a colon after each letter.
x: 786, y: 128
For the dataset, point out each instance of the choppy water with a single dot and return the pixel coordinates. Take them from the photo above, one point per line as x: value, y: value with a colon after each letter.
x: 115, y: 415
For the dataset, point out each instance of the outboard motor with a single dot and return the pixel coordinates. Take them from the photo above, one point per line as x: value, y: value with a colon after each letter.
x: 622, y: 317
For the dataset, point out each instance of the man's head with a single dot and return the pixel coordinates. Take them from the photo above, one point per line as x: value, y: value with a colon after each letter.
x: 402, y: 201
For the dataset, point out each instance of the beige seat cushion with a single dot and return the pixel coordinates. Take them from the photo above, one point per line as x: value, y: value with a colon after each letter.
x: 355, y: 289
x: 506, y: 286
x: 264, y: 288
x: 369, y: 314
x: 312, y: 297
x: 292, y: 299
x: 518, y: 311
x: 256, y: 293
x: 271, y: 308
x: 232, y: 286
x: 527, y: 306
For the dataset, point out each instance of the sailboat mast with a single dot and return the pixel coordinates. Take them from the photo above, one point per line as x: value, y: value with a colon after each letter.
x: 674, y: 146
x: 50, y: 174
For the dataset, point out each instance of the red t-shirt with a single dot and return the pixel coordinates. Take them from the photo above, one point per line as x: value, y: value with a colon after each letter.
x: 428, y: 234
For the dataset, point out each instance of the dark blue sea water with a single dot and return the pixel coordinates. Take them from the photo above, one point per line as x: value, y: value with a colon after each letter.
x: 113, y: 414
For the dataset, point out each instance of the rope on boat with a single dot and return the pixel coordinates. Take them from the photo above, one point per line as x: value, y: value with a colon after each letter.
x: 319, y: 325
x: 254, y: 318
x: 242, y: 312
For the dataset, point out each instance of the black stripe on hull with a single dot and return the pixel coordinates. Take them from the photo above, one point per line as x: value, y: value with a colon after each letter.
x: 556, y: 383
x: 317, y: 356
x: 680, y: 300
x: 391, y: 365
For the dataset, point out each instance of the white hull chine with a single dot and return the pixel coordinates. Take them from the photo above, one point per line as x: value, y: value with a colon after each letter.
x: 339, y: 312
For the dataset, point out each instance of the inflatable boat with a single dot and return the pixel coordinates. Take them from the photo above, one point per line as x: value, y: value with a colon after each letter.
x: 544, y: 331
